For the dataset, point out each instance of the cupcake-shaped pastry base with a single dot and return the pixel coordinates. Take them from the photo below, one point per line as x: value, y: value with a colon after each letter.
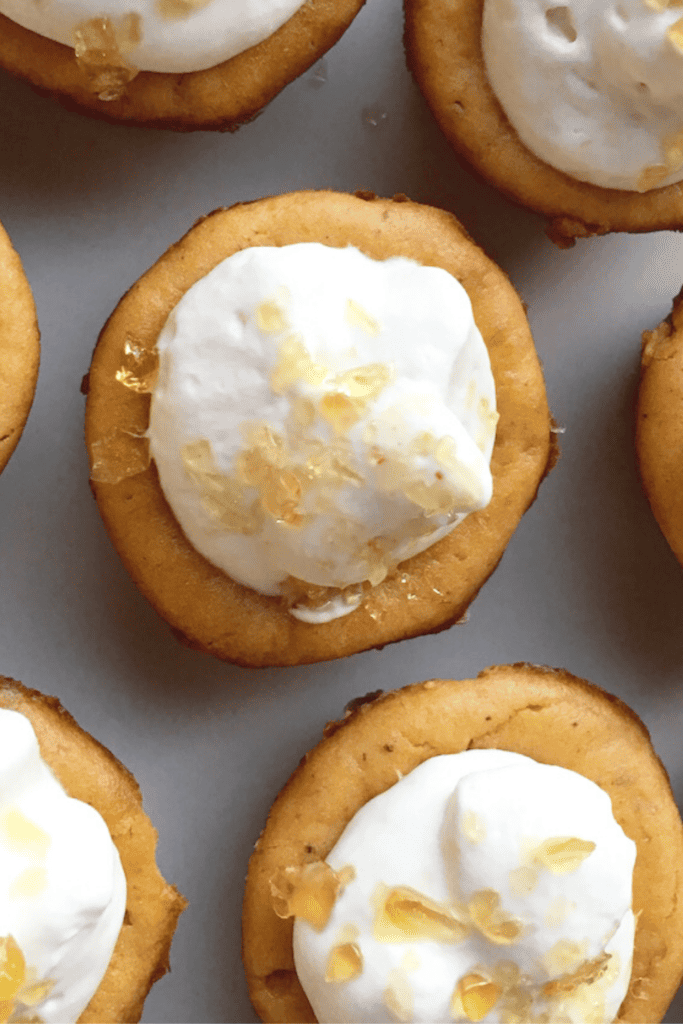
x: 429, y: 591
x: 545, y: 714
x: 19, y: 348
x: 89, y: 772
x: 221, y: 97
x: 659, y: 431
x: 444, y: 52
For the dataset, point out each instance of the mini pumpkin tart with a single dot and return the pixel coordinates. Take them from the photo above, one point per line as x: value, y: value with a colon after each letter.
x: 322, y: 419
x: 19, y: 348
x: 89, y: 916
x: 531, y: 873
x: 208, y: 64
x: 659, y: 428
x: 552, y: 106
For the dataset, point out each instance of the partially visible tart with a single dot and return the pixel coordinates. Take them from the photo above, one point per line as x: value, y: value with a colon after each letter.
x: 222, y: 97
x: 19, y: 348
x: 444, y: 52
x: 545, y: 714
x: 659, y: 426
x: 89, y: 772
x: 429, y: 591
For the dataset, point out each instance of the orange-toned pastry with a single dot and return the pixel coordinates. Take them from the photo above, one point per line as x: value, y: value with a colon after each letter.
x: 574, y: 111
x: 499, y: 849
x: 19, y: 348
x: 347, y: 419
x: 87, y: 919
x: 180, y: 64
x: 659, y: 430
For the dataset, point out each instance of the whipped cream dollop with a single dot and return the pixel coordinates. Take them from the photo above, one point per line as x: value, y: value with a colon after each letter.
x: 159, y: 35
x: 592, y: 87
x: 62, y: 887
x: 320, y: 416
x: 481, y: 886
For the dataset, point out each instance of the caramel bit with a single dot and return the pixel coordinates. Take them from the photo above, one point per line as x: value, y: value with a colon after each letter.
x: 365, y: 382
x: 586, y: 974
x: 18, y: 988
x: 405, y: 915
x: 222, y: 497
x: 139, y: 368
x: 398, y: 996
x: 309, y: 891
x: 29, y: 884
x: 345, y: 962
x: 310, y: 595
x: 357, y: 316
x: 475, y: 995
x: 270, y: 317
x: 564, y: 957
x: 295, y: 365
x: 101, y: 46
x: 12, y: 970
x: 473, y: 827
x: 672, y: 145
x: 675, y: 35
x: 173, y: 10
x: 118, y: 456
x: 491, y: 921
x: 563, y: 854
x: 21, y: 836
x: 340, y: 411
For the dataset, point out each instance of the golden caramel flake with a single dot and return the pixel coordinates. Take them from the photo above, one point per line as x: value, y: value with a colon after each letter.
x: 29, y: 884
x: 100, y: 47
x: 340, y: 411
x: 139, y: 367
x: 173, y: 10
x: 12, y: 968
x: 473, y: 826
x: 20, y: 835
x: 222, y: 497
x: 398, y: 996
x: 303, y: 411
x: 476, y: 995
x: 294, y: 365
x: 357, y: 316
x: 651, y: 177
x: 675, y: 35
x: 522, y: 880
x: 344, y: 963
x: 446, y: 453
x: 564, y: 957
x: 365, y: 382
x: 435, y: 499
x: 487, y: 916
x: 119, y: 455
x: 423, y: 444
x: 563, y: 854
x: 270, y: 318
x: 586, y: 974
x: 406, y: 915
x: 309, y: 595
x: 308, y: 892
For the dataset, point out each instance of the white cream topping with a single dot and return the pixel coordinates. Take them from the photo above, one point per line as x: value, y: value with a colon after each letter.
x: 176, y: 35
x: 62, y: 891
x: 321, y: 415
x: 526, y: 865
x: 592, y: 87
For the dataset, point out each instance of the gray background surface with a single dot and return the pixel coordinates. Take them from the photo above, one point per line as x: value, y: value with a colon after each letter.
x: 587, y: 583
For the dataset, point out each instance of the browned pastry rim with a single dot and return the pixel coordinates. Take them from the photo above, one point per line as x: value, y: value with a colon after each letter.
x: 431, y: 590
x: 222, y: 97
x: 443, y: 47
x: 659, y: 429
x: 19, y: 348
x: 546, y: 714
x: 89, y: 772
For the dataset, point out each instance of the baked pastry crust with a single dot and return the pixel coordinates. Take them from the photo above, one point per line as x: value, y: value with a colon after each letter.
x: 659, y: 424
x: 222, y: 97
x: 546, y: 714
x: 443, y: 48
x: 89, y: 772
x: 430, y: 591
x: 19, y: 348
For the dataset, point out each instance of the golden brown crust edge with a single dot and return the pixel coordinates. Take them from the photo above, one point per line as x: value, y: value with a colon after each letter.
x: 443, y: 50
x: 19, y: 348
x: 90, y: 772
x: 546, y: 714
x: 433, y: 590
x: 222, y: 97
x: 659, y: 424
